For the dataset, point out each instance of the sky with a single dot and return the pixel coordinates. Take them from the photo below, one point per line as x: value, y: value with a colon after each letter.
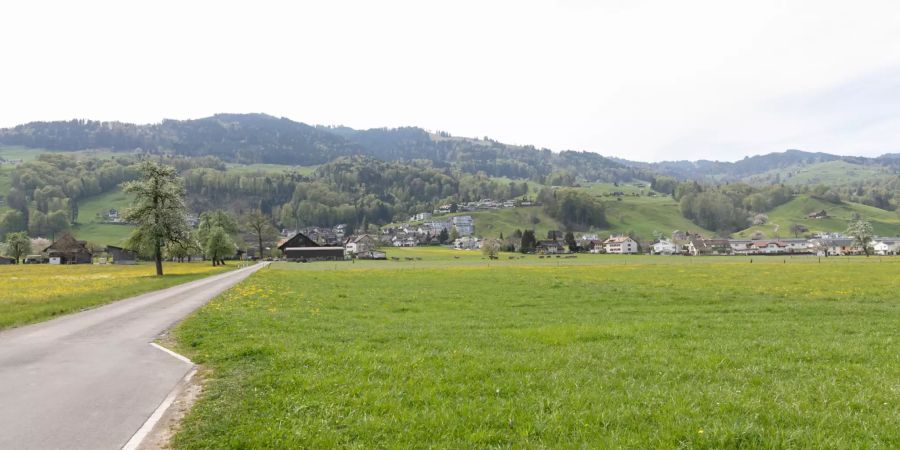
x: 643, y: 80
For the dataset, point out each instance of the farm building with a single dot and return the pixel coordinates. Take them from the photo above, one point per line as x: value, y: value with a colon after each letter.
x: 302, y: 248
x: 121, y: 255
x: 701, y: 246
x: 4, y: 260
x: 549, y: 247
x: 69, y: 251
x: 360, y: 244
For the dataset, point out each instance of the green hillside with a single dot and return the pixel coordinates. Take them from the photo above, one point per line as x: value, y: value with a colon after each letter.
x: 832, y: 173
x: 639, y: 215
x: 89, y: 226
x: 644, y: 215
x: 5, y: 171
x: 493, y: 222
x: 886, y: 223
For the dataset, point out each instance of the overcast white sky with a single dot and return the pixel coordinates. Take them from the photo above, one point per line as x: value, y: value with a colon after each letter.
x: 645, y: 80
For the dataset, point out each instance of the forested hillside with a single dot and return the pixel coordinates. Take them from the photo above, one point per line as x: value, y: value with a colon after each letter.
x: 259, y: 138
x: 302, y: 175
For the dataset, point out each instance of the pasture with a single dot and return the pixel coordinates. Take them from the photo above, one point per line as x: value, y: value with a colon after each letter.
x: 593, y: 352
x: 36, y: 292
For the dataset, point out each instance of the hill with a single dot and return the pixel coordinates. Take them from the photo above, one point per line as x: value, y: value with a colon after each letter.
x: 886, y: 223
x: 808, y: 167
x: 260, y: 138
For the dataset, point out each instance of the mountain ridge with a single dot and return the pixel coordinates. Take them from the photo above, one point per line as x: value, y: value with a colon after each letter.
x: 263, y: 138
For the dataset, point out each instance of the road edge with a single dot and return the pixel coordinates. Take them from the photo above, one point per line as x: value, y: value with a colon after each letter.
x: 141, y: 434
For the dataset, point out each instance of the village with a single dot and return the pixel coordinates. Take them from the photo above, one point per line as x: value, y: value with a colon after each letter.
x: 459, y: 233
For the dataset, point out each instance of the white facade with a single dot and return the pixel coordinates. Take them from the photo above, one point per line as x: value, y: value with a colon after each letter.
x: 664, y: 247
x: 886, y: 247
x: 620, y: 245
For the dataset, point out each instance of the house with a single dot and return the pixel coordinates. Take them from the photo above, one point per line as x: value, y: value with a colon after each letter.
x: 664, y: 247
x: 301, y: 248
x: 467, y: 243
x: 464, y: 225
x: 700, y: 246
x: 767, y: 247
x: 360, y: 244
x: 885, y: 247
x: 67, y: 250
x: 620, y: 245
x: 5, y: 260
x: 832, y: 246
x: 121, y: 255
x: 421, y: 217
x: 550, y: 247
x: 817, y: 215
x: 740, y: 246
x: 404, y: 241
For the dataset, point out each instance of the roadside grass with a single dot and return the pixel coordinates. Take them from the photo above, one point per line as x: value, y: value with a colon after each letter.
x: 37, y: 292
x: 674, y: 354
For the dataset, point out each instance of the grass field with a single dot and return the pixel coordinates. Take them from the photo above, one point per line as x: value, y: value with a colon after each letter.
x: 885, y: 223
x: 656, y: 353
x: 641, y: 215
x: 271, y: 168
x: 33, y: 293
x: 89, y: 226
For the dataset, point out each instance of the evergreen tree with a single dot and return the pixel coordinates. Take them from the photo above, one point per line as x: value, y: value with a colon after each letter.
x: 529, y: 242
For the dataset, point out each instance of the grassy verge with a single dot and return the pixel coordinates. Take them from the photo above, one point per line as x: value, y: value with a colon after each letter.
x: 33, y: 293
x: 666, y: 355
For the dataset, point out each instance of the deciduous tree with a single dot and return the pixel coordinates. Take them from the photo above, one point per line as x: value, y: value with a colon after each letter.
x: 17, y: 245
x: 158, y: 210
x: 862, y: 233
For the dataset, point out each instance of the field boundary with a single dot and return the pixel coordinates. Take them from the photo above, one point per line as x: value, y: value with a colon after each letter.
x: 150, y: 424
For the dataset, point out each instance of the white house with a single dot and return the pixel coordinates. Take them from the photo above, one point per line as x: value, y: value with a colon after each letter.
x: 886, y: 247
x: 467, y: 243
x: 664, y: 247
x: 360, y: 244
x: 620, y: 244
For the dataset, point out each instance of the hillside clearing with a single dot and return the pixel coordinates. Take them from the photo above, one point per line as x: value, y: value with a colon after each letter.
x: 885, y: 223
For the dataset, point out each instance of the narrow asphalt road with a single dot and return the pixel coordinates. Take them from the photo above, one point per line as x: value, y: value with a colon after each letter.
x: 90, y: 380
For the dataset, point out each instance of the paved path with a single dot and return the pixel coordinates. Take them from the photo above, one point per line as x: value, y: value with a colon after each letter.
x: 90, y: 380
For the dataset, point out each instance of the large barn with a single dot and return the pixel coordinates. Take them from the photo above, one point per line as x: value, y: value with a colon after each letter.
x: 302, y: 248
x: 69, y: 251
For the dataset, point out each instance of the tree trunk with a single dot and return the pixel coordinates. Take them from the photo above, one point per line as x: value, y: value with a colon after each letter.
x: 158, y: 257
x: 259, y: 256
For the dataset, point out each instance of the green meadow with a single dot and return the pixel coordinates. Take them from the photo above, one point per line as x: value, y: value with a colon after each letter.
x: 448, y: 350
